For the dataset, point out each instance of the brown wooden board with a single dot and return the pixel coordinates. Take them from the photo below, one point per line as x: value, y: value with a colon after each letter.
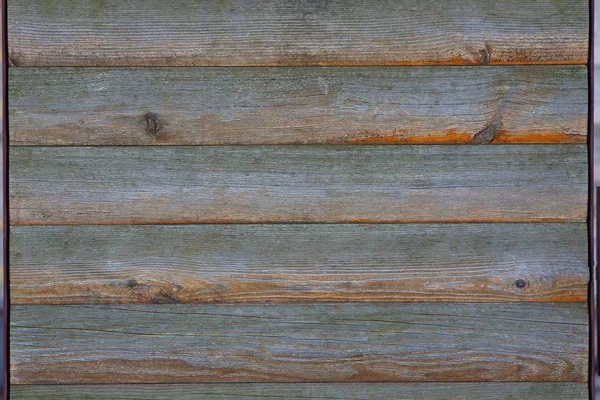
x: 321, y: 391
x: 216, y: 106
x: 117, y: 185
x: 288, y: 32
x: 350, y: 342
x: 298, y: 263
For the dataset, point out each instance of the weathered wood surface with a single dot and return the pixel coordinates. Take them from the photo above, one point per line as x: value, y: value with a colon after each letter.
x: 289, y: 263
x: 215, y: 106
x: 289, y: 32
x: 347, y: 391
x: 350, y: 342
x: 248, y: 184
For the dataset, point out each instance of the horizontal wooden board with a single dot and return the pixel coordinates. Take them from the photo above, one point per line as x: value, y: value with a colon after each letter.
x: 273, y: 184
x: 289, y: 263
x: 349, y: 342
x: 289, y: 32
x: 348, y: 391
x: 216, y: 106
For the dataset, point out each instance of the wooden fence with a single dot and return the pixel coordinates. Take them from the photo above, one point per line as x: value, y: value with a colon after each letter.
x: 284, y: 199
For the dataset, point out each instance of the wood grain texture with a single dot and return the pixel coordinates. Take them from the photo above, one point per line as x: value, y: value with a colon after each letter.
x: 324, y: 391
x: 273, y: 184
x: 216, y: 106
x: 349, y: 342
x: 298, y: 263
x: 290, y: 32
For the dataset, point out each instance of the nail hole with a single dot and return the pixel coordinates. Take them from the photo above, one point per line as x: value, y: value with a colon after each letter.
x: 521, y: 284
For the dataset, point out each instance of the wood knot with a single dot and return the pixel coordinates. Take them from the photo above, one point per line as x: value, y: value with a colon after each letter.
x: 164, y: 298
x: 153, y: 124
x: 131, y: 283
x: 485, y: 54
x: 488, y: 133
x: 13, y: 60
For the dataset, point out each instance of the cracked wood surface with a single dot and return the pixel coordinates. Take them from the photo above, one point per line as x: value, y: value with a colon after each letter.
x: 316, y: 391
x: 290, y: 32
x: 310, y: 184
x: 298, y: 263
x: 216, y: 106
x: 350, y: 342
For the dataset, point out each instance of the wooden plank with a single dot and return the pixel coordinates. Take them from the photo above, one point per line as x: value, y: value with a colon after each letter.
x: 286, y: 32
x: 298, y: 263
x: 347, y: 391
x: 349, y: 342
x: 273, y: 184
x: 216, y: 106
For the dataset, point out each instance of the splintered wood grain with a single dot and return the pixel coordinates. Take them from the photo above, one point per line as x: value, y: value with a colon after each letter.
x: 324, y: 391
x: 291, y: 32
x: 276, y: 184
x: 215, y: 106
x: 350, y: 342
x: 291, y: 263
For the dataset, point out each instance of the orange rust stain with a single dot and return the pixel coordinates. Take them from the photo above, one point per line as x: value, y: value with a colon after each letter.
x: 564, y: 299
x: 538, y: 137
x: 452, y: 136
x: 540, y: 62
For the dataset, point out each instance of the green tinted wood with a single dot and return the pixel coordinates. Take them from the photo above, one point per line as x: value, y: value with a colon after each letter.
x: 324, y: 184
x: 350, y: 342
x: 216, y: 106
x: 298, y: 263
x: 286, y: 32
x: 347, y: 391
